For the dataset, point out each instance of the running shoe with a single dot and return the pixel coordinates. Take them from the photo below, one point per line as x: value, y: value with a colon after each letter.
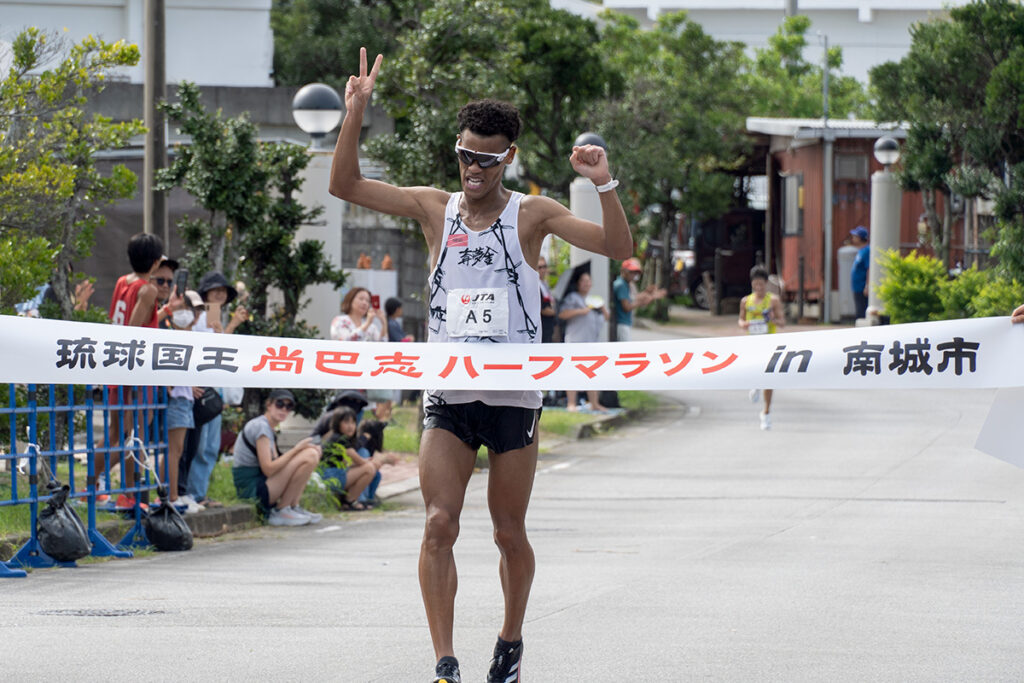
x: 447, y: 671
x: 505, y: 665
x: 766, y: 422
x: 314, y: 517
x: 755, y: 395
x: 125, y: 503
x: 286, y: 517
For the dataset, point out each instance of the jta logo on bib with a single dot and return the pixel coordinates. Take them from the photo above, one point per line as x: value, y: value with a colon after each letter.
x: 478, y: 312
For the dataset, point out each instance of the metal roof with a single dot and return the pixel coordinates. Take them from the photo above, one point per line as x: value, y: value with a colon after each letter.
x: 809, y: 129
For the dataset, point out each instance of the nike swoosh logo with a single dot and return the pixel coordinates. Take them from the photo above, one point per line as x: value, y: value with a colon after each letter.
x: 529, y: 432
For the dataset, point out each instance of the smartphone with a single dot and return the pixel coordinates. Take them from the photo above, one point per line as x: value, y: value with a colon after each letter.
x: 181, y: 280
x: 375, y: 300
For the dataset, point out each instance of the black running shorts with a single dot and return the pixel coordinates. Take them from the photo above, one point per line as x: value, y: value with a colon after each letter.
x: 500, y: 428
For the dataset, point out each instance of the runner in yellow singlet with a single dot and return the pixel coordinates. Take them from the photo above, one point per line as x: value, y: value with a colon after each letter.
x: 761, y: 313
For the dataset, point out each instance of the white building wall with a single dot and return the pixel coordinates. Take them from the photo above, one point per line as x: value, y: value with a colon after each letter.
x: 209, y: 42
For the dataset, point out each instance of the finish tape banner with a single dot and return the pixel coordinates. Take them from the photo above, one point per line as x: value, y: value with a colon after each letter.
x: 954, y: 354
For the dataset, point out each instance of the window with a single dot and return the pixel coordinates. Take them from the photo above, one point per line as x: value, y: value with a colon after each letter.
x: 793, y: 204
x: 851, y: 167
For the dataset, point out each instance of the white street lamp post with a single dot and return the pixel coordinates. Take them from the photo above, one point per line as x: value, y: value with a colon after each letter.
x: 886, y: 198
x: 317, y: 111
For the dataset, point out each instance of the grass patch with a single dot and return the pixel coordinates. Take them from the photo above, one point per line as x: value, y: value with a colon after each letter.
x: 639, y: 402
x: 562, y: 422
x: 402, y: 434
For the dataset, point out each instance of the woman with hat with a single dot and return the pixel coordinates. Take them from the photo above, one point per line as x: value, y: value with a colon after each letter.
x: 274, y: 478
x: 204, y: 446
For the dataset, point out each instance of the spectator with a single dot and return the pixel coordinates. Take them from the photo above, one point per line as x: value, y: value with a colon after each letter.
x: 346, y: 469
x: 204, y: 448
x: 859, y: 274
x: 358, y: 321
x: 393, y: 310
x: 134, y: 304
x: 163, y: 278
x: 180, y: 420
x: 761, y: 313
x: 627, y: 298
x: 583, y: 320
x: 276, y: 479
x: 547, y: 304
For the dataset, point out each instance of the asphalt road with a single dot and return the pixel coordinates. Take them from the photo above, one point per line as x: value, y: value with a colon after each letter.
x: 863, y: 538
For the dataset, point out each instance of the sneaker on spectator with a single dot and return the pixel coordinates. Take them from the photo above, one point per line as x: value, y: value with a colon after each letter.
x: 286, y: 517
x: 125, y: 503
x: 187, y: 505
x: 314, y: 517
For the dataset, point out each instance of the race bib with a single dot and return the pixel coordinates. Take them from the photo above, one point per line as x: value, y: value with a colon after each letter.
x: 758, y: 327
x: 478, y: 312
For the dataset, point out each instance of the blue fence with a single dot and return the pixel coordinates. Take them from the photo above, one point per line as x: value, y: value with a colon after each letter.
x: 48, y: 426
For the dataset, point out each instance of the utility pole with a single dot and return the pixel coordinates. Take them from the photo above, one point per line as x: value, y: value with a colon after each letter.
x: 827, y: 181
x: 791, y: 10
x: 154, y: 203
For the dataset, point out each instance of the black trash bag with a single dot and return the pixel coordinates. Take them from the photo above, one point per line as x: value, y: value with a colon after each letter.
x: 61, y: 533
x: 165, y: 528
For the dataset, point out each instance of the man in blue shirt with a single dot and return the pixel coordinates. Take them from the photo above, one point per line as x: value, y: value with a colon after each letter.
x: 859, y: 275
x: 627, y: 298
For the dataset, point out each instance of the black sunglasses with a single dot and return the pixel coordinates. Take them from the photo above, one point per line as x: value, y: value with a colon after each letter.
x: 282, y: 403
x: 484, y: 159
x: 163, y: 281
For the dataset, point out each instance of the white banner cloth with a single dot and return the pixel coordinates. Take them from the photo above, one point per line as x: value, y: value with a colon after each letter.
x: 972, y: 353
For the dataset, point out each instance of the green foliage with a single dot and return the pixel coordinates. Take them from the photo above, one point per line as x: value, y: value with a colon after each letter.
x: 910, y: 286
x: 24, y: 265
x: 915, y: 288
x: 679, y: 127
x: 249, y: 188
x: 319, y: 40
x: 959, y: 295
x: 51, y: 191
x: 961, y: 88
x: 998, y: 298
x: 783, y: 83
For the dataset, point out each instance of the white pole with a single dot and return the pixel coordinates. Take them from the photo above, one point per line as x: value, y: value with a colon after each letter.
x: 324, y: 300
x: 584, y: 203
x: 886, y: 199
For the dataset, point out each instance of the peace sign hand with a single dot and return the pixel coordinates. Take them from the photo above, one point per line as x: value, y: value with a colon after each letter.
x: 359, y: 88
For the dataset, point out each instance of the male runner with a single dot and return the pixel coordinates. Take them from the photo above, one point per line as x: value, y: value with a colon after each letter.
x: 483, y: 240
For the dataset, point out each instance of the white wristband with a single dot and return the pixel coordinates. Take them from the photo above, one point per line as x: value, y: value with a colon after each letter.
x: 610, y: 185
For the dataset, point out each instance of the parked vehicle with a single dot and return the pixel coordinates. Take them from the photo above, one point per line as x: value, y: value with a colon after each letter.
x: 739, y: 234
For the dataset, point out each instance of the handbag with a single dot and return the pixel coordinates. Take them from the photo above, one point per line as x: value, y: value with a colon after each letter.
x: 207, y: 406
x: 60, y: 531
x: 165, y: 528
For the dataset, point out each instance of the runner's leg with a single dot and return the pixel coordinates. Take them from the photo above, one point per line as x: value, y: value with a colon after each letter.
x: 509, y: 484
x: 445, y: 464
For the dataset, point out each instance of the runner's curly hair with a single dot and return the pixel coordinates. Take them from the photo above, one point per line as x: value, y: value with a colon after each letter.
x: 490, y: 117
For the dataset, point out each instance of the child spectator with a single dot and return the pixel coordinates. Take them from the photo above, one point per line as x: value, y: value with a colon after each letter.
x: 344, y: 469
x: 263, y: 473
x: 133, y: 304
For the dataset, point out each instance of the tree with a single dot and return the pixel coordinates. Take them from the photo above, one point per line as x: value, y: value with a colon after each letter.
x: 784, y: 83
x: 679, y: 127
x: 319, y: 40
x: 52, y: 192
x: 547, y: 62
x: 961, y: 89
x: 248, y: 187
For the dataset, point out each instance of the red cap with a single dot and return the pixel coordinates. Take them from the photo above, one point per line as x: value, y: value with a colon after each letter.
x: 632, y: 264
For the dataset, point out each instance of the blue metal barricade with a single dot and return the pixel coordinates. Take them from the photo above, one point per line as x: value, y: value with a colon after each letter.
x: 134, y: 423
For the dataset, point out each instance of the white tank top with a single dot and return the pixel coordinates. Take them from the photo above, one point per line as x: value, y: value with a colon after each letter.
x: 483, y: 291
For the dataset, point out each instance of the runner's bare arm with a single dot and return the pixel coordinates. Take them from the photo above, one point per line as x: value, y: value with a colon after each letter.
x: 418, y: 203
x: 144, y: 305
x: 778, y: 315
x: 1018, y: 315
x: 613, y: 237
x: 743, y: 322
